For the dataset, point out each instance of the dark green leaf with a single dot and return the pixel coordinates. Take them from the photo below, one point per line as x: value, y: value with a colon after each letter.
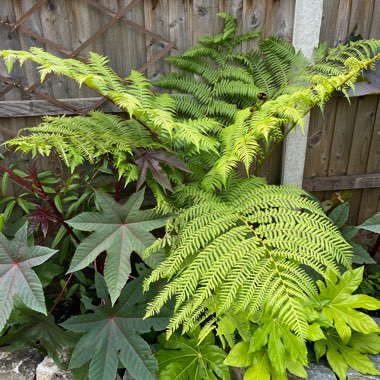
x: 119, y: 230
x: 340, y: 214
x: 182, y: 358
x: 111, y: 334
x: 372, y: 224
x: 40, y: 330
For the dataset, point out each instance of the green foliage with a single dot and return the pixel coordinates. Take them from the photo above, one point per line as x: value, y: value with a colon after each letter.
x: 372, y: 224
x: 113, y: 333
x: 35, y: 329
x: 17, y: 279
x: 349, y: 334
x: 182, y: 358
x: 271, y: 350
x: 338, y: 304
x: 119, y: 230
x: 360, y: 245
x: 248, y: 247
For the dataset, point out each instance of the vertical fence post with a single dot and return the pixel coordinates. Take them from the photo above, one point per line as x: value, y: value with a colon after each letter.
x: 307, y: 25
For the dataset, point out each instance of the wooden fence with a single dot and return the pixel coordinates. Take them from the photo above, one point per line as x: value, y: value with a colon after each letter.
x: 137, y: 34
x: 344, y: 144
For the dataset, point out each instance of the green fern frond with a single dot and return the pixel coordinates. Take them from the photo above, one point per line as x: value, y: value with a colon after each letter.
x: 248, y: 247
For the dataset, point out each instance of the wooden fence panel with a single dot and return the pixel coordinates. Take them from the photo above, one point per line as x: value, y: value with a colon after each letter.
x: 345, y: 141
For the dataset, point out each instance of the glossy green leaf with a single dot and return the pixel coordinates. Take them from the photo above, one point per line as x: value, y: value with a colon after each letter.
x: 119, y: 230
x: 340, y: 304
x: 17, y: 279
x: 4, y: 183
x: 260, y: 368
x: 239, y: 356
x: 340, y: 356
x: 182, y: 358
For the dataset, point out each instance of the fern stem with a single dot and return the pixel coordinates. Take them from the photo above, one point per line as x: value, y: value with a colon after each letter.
x: 274, y: 147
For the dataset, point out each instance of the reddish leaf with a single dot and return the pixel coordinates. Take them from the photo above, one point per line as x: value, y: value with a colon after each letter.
x: 152, y: 160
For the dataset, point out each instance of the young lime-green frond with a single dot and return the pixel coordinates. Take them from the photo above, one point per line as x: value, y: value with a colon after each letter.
x: 248, y: 247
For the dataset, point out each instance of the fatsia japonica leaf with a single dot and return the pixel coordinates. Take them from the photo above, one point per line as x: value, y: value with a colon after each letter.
x: 17, y: 279
x: 182, y: 358
x: 284, y: 348
x: 340, y: 355
x: 119, y: 230
x: 112, y: 334
x: 339, y: 304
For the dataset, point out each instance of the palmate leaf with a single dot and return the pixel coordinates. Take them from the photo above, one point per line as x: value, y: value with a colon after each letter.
x: 341, y: 355
x: 39, y: 330
x: 17, y: 279
x: 112, y: 334
x: 182, y: 358
x: 152, y: 161
x: 119, y: 230
x: 339, y: 304
x: 281, y: 344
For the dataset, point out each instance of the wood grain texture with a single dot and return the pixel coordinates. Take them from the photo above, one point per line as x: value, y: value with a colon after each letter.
x: 33, y: 107
x: 363, y: 181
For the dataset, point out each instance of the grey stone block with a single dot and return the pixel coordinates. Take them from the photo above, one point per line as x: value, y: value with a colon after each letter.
x: 48, y: 370
x: 19, y: 365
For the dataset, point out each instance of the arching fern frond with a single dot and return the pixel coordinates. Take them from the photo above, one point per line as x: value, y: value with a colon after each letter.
x: 248, y: 247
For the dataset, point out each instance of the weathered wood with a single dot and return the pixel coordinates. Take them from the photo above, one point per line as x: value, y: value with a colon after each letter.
x: 23, y: 108
x: 364, y: 181
x: 156, y: 15
x: 361, y: 141
x: 371, y: 197
x: 360, y: 16
x: 329, y: 18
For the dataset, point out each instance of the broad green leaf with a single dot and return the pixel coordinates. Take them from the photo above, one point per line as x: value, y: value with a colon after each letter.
x: 39, y: 330
x: 314, y: 332
x: 341, y: 355
x: 182, y: 358
x: 119, y: 230
x: 339, y: 304
x: 365, y: 343
x: 239, y: 356
x: 260, y: 368
x: 372, y: 224
x: 340, y: 214
x: 112, y: 334
x: 17, y: 279
x: 296, y: 369
x: 282, y: 344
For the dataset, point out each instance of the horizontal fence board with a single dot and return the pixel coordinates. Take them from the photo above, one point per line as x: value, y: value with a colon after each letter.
x: 21, y: 108
x: 349, y: 182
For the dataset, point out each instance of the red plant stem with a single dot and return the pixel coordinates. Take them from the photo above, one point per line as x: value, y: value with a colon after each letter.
x: 60, y: 295
x: 21, y: 181
x: 362, y: 235
x: 376, y: 247
x: 58, y: 214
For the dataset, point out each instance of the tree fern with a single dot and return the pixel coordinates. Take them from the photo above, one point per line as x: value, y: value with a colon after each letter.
x: 248, y: 247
